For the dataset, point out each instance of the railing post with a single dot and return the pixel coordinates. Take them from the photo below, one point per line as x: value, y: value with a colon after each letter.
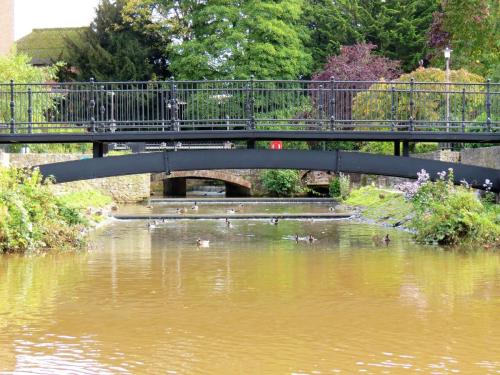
x: 332, y: 103
x: 412, y: 104
x: 464, y: 102
x: 12, y: 109
x: 30, y: 111
x: 102, y: 110
x: 250, y: 104
x: 320, y: 106
x: 393, y: 107
x: 174, y: 108
x: 488, y: 105
x: 92, y: 105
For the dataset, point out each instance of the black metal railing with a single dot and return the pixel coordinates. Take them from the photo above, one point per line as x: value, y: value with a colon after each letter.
x: 248, y: 104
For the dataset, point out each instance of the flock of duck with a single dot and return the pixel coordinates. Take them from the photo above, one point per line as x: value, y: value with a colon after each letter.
x: 152, y: 224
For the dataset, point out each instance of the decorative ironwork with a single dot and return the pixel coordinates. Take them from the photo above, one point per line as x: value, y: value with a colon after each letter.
x: 253, y: 105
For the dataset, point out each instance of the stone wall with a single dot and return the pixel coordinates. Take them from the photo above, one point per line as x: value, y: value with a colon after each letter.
x: 134, y: 188
x: 483, y: 157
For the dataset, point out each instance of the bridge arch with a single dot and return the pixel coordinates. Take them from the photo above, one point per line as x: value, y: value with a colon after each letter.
x: 235, y: 185
x: 336, y: 161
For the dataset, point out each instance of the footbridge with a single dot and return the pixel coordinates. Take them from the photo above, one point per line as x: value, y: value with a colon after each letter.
x: 335, y: 161
x: 243, y: 112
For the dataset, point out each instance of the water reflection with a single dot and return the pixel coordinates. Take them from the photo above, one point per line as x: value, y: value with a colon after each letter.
x: 253, y: 302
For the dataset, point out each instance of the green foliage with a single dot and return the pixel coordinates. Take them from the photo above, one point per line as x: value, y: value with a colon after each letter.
x: 230, y: 39
x: 280, y: 182
x: 472, y: 29
x: 387, y: 148
x: 430, y: 106
x: 115, y: 49
x: 31, y: 218
x: 84, y: 199
x: 450, y: 215
x: 18, y: 69
x: 339, y: 187
x: 398, y: 27
x: 329, y: 27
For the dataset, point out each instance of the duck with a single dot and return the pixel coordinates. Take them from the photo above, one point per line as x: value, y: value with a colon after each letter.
x: 195, y: 207
x: 311, y: 239
x: 241, y: 205
x: 202, y: 243
x: 231, y: 211
x: 387, y: 239
x: 274, y: 221
x: 298, y: 238
x: 228, y: 223
x: 151, y: 225
x: 331, y: 208
x: 181, y: 210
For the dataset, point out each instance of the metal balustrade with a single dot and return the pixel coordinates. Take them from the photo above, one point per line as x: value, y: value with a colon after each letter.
x: 165, y: 106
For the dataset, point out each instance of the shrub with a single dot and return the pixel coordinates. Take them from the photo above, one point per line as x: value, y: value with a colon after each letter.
x: 31, y: 217
x: 281, y: 183
x: 339, y: 187
x: 450, y: 215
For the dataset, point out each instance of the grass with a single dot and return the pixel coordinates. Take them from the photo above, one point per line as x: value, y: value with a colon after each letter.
x: 84, y: 199
x: 380, y: 205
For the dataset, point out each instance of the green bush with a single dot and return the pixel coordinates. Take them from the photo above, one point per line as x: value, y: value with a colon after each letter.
x: 31, y: 217
x: 281, y: 182
x: 339, y: 187
x: 450, y: 215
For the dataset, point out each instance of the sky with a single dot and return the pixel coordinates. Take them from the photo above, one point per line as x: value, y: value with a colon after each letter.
x: 31, y: 14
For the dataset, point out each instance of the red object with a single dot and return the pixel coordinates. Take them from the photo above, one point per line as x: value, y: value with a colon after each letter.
x: 276, y: 145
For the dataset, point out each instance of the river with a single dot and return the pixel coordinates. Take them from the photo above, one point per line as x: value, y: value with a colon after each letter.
x: 149, y: 301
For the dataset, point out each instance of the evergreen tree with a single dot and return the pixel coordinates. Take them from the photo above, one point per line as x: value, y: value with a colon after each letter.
x: 398, y: 27
x: 113, y: 49
x: 330, y: 26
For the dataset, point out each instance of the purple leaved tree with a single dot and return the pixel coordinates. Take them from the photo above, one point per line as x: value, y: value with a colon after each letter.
x: 355, y: 63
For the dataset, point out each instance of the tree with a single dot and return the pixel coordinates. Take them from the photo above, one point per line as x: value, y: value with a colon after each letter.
x: 355, y: 63
x: 398, y: 27
x: 330, y: 26
x: 113, y: 49
x: 19, y: 69
x: 358, y: 63
x: 230, y: 38
x: 429, y: 100
x: 472, y: 29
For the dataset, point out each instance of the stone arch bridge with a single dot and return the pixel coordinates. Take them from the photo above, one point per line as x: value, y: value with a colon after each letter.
x: 174, y: 184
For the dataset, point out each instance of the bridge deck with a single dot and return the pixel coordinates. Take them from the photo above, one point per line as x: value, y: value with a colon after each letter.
x: 257, y: 135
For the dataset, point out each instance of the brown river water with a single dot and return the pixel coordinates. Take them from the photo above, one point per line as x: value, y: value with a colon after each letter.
x: 144, y: 301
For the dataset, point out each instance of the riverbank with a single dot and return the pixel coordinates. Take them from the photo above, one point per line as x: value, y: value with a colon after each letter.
x: 33, y: 218
x: 436, y: 213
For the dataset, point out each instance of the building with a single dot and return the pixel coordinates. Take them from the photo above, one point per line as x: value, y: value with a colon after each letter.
x: 48, y: 46
x: 6, y: 26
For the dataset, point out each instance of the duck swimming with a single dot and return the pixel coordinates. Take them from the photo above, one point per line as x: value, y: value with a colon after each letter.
x: 311, y: 239
x: 195, y: 207
x: 274, y: 221
x: 202, y: 243
x: 181, y: 210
